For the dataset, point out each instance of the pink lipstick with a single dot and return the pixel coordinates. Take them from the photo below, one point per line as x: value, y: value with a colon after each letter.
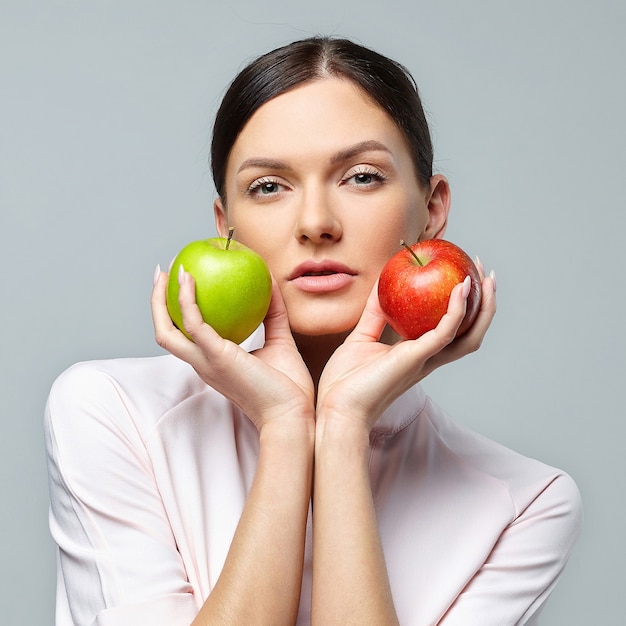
x: 323, y: 276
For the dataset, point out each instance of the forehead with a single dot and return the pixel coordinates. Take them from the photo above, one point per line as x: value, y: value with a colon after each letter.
x: 320, y: 116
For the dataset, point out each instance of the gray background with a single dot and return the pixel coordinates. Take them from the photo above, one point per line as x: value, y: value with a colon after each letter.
x: 105, y: 114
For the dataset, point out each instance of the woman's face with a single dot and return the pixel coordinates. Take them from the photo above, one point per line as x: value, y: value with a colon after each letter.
x: 321, y: 184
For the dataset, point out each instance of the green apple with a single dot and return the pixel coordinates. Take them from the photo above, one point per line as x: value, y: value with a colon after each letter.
x: 233, y: 286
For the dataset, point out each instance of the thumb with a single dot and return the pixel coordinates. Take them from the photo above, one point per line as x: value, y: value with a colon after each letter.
x: 372, y: 322
x: 276, y: 320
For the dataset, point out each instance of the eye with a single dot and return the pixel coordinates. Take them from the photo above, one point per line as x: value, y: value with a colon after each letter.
x: 364, y: 176
x: 264, y: 187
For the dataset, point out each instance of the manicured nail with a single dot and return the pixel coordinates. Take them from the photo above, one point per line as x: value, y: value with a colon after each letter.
x: 181, y: 274
x: 467, y: 283
x: 492, y: 275
x: 480, y: 266
x: 157, y: 273
x: 169, y: 267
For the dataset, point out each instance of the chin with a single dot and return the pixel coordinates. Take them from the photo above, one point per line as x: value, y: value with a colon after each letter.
x: 322, y: 327
x: 324, y: 316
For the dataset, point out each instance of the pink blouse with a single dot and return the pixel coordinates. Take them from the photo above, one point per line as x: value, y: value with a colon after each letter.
x: 149, y: 471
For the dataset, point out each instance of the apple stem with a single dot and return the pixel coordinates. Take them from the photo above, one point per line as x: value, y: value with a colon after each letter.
x: 408, y: 247
x: 231, y: 230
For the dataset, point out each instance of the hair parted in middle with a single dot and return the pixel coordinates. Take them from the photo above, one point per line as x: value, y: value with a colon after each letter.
x: 385, y: 81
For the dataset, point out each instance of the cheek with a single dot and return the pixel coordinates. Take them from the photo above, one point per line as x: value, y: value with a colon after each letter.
x: 414, y: 224
x: 254, y: 235
x: 265, y: 241
x: 384, y: 238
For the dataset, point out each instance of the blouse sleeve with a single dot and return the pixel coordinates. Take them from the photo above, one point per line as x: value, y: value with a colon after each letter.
x: 513, y: 584
x: 117, y: 557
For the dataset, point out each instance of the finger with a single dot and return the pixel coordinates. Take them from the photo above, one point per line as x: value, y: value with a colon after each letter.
x: 372, y: 321
x: 166, y: 334
x: 163, y: 325
x: 160, y: 316
x: 276, y: 321
x: 406, y: 362
x: 444, y: 333
x: 480, y: 267
x: 220, y: 363
x: 473, y: 338
x: 200, y: 332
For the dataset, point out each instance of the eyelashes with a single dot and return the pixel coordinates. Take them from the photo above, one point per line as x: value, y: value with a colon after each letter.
x: 265, y: 186
x: 364, y: 176
x: 361, y: 176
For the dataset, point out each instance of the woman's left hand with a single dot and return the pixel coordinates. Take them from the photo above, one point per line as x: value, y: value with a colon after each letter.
x: 364, y: 376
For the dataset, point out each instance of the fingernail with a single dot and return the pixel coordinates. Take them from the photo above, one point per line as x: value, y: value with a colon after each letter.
x: 157, y: 273
x: 492, y: 275
x: 480, y: 266
x: 169, y: 267
x: 467, y: 283
x: 181, y: 274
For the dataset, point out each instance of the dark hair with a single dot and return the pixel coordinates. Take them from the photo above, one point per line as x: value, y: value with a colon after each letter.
x: 387, y: 83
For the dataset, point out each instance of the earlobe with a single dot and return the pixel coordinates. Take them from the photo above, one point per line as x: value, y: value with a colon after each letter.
x: 221, y: 218
x: 438, y: 207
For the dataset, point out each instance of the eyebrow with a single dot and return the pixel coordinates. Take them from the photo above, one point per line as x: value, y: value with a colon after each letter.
x: 369, y: 145
x: 272, y: 164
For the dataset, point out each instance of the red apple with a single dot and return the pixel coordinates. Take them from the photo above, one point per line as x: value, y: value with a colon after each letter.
x: 415, y: 286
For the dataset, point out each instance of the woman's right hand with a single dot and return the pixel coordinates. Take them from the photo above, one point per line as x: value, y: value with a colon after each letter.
x: 273, y: 388
x: 268, y: 384
x: 364, y: 375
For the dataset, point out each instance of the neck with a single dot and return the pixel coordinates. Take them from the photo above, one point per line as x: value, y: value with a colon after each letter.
x: 317, y: 350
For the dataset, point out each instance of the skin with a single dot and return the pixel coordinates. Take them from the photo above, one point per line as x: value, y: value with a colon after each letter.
x: 316, y: 206
x: 332, y: 175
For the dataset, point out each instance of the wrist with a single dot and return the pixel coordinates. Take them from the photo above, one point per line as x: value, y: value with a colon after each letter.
x: 338, y: 432
x: 290, y: 433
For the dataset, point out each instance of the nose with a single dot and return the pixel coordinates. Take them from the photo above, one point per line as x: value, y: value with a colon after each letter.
x: 317, y: 221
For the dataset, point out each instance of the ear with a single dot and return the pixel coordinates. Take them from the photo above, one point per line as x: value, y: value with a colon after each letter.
x: 438, y: 207
x: 221, y: 218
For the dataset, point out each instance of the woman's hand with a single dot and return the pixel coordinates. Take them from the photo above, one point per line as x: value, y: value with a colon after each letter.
x: 360, y: 380
x: 270, y: 383
x: 274, y: 389
x: 364, y: 376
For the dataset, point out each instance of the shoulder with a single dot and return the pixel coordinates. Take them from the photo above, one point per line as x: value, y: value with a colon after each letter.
x: 123, y: 369
x: 138, y: 391
x: 508, y: 522
x: 527, y: 480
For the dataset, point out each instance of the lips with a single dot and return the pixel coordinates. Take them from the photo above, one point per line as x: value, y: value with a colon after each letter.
x: 322, y: 276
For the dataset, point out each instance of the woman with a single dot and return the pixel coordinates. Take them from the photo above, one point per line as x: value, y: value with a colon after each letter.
x: 306, y: 478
